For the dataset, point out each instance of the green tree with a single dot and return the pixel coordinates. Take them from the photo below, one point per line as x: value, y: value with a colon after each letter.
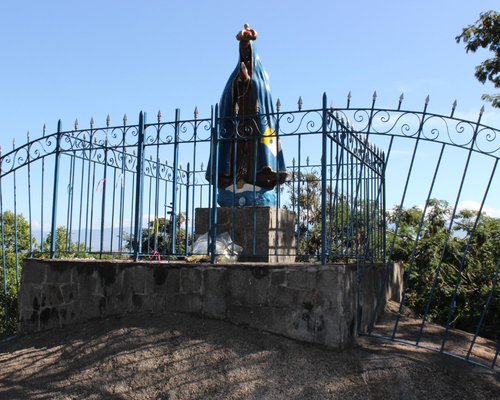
x: 158, y: 237
x: 346, y: 223
x: 13, y: 261
x: 65, y: 247
x: 485, y: 33
x: 474, y: 272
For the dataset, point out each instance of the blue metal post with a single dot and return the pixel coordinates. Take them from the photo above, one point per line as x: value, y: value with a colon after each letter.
x: 174, y: 181
x: 188, y: 176
x: 323, y: 184
x: 29, y: 197
x: 103, y: 203
x: 4, y: 256
x: 215, y: 182
x: 16, y: 241
x: 138, y: 188
x: 53, y: 232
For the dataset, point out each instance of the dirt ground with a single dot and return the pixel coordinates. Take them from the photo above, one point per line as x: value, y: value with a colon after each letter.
x: 176, y: 356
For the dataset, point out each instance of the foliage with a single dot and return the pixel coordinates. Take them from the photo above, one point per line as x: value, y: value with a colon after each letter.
x: 464, y: 256
x: 65, y: 247
x: 11, y: 279
x: 157, y: 238
x: 485, y: 33
x: 346, y: 223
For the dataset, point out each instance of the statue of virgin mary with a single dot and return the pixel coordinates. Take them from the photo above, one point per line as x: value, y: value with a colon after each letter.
x: 251, y: 161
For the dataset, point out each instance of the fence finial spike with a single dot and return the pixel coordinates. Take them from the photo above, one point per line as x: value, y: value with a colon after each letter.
x: 28, y: 135
x: 14, y: 142
x: 374, y: 95
x: 196, y: 112
x: 349, y: 95
x: 278, y: 104
x: 124, y: 119
x: 158, y: 116
x: 44, y: 129
x: 201, y: 167
x: 481, y: 111
x: 108, y: 120
x: 427, y: 99
x: 84, y: 136
x: 91, y: 122
x: 402, y: 97
x: 454, y: 105
x: 307, y: 161
x: 76, y: 124
x: 236, y: 108
x: 299, y: 103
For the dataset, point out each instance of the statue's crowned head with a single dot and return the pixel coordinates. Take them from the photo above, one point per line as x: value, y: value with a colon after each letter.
x: 246, y: 34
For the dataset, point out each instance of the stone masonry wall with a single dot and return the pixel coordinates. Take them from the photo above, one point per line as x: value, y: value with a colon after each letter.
x: 310, y: 303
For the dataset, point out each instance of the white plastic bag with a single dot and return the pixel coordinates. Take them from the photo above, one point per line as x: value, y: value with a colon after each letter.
x: 226, y: 249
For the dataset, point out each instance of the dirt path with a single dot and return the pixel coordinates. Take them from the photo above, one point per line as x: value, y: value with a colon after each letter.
x: 176, y: 356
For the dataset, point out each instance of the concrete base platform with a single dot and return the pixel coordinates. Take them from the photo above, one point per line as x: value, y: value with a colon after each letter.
x: 265, y: 233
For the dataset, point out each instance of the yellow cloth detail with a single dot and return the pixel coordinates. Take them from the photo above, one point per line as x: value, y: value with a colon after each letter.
x: 269, y: 140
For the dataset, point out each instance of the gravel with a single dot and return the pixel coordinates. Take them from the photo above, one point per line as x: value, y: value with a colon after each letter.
x: 177, y: 356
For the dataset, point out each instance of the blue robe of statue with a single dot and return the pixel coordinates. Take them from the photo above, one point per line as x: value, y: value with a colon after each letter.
x: 251, y: 166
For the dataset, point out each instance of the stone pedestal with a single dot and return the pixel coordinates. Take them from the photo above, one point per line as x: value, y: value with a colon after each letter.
x: 265, y: 233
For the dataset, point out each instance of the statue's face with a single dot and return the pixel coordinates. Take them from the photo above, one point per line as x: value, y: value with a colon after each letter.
x: 246, y: 51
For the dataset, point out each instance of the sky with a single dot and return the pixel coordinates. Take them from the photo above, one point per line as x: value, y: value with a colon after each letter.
x: 68, y: 59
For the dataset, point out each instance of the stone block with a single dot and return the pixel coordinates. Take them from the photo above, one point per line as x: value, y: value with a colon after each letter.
x: 51, y: 295
x: 158, y: 303
x: 248, y: 286
x: 191, y: 280
x: 34, y: 272
x: 29, y: 320
x: 70, y: 313
x: 297, y: 324
x: 334, y: 329
x: 215, y: 292
x: 134, y: 279
x: 94, y: 307
x: 49, y: 318
x: 278, y: 277
x: 304, y: 278
x: 30, y: 296
x: 135, y: 303
x: 69, y: 292
x: 285, y: 297
x: 266, y: 234
x: 328, y: 285
x: 169, y: 282
x: 188, y: 303
x: 58, y: 273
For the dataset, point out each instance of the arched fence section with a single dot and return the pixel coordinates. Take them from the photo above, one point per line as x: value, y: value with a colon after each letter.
x: 365, y: 186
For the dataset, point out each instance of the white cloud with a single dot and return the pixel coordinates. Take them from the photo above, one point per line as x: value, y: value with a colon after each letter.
x: 475, y: 205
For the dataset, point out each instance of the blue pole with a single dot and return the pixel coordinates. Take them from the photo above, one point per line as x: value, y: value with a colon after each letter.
x: 215, y: 182
x: 174, y: 180
x: 323, y: 184
x: 4, y: 257
x: 29, y: 197
x: 103, y: 204
x: 188, y: 176
x: 138, y: 188
x: 53, y: 232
